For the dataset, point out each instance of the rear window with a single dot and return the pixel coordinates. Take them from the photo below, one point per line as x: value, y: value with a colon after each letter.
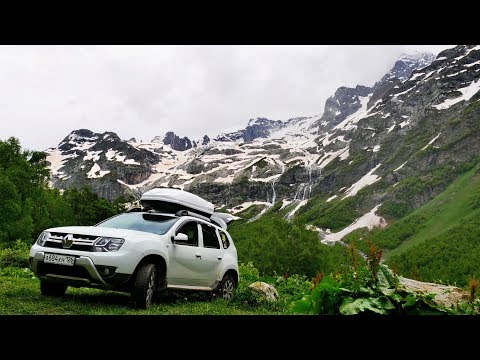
x: 224, y: 238
x: 210, y: 239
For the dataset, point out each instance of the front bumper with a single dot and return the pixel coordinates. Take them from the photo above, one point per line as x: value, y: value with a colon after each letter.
x: 90, y: 278
x: 85, y: 272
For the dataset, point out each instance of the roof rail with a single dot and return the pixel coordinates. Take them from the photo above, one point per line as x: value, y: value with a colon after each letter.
x: 217, y: 219
x: 191, y: 213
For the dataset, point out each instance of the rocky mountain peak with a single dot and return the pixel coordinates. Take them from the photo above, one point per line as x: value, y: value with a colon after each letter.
x: 404, y: 67
x: 84, y: 133
x: 257, y: 128
x: 347, y: 101
x: 205, y: 140
x: 176, y: 142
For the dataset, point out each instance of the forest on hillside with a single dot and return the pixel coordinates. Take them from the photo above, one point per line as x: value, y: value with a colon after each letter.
x: 28, y: 205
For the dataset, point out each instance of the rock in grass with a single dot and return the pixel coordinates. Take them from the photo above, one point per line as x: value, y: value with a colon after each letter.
x: 268, y: 291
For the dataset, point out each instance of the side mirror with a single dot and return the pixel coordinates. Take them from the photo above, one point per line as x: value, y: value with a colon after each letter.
x: 180, y: 238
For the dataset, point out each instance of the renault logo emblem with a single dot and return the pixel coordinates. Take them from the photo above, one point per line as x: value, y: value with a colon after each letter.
x: 67, y: 241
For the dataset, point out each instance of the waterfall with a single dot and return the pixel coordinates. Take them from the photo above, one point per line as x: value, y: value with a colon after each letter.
x: 309, y: 181
x: 304, y: 191
x: 274, y: 194
x: 274, y: 197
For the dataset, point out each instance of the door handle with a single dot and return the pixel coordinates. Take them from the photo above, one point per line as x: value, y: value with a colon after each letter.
x: 219, y: 257
x: 198, y: 256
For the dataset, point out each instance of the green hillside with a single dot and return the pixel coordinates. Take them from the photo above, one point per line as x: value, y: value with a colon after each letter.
x: 436, y: 242
x: 455, y: 204
x: 275, y: 245
x: 439, y: 241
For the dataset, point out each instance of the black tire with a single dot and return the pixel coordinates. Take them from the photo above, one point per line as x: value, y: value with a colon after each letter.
x: 48, y: 288
x: 144, y: 286
x: 227, y: 286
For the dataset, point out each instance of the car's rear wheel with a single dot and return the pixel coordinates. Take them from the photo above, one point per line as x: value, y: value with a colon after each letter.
x: 144, y: 286
x: 49, y: 288
x: 227, y: 287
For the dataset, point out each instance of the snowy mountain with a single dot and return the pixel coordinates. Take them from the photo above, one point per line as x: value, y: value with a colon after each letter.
x: 113, y: 166
x: 368, y: 143
x: 407, y: 64
x: 347, y: 101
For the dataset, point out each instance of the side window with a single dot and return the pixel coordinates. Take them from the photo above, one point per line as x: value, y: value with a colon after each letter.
x: 191, y: 230
x: 224, y: 238
x: 210, y: 239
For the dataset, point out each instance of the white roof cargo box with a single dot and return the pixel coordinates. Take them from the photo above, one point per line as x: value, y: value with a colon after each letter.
x: 173, y: 200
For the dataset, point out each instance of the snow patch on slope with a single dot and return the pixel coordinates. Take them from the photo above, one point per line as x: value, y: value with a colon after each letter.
x: 92, y: 155
x: 472, y: 64
x: 352, y: 119
x: 246, y: 205
x: 115, y: 155
x: 369, y: 220
x: 299, y: 205
x: 431, y: 141
x: 401, y: 166
x: 57, y: 160
x: 404, y: 123
x: 330, y: 156
x: 367, y: 179
x: 95, y: 172
x: 331, y: 198
x: 467, y: 93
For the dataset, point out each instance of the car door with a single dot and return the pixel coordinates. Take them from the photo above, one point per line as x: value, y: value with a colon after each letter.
x: 212, y: 255
x: 185, y: 259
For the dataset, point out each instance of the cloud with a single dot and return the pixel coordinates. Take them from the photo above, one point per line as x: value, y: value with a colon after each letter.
x: 144, y: 91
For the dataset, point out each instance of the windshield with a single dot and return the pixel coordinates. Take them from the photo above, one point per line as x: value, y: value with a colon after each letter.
x: 152, y: 223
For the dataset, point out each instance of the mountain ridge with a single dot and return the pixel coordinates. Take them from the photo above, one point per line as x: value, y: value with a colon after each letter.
x: 300, y: 158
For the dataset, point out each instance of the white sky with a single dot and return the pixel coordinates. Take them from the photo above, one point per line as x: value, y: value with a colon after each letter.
x: 144, y: 91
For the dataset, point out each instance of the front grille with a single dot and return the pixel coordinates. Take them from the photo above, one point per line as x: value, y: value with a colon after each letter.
x: 80, y: 242
x: 73, y: 271
x: 58, y: 245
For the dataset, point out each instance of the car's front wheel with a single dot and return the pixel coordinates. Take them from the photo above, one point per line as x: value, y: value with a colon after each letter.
x: 49, y: 288
x: 144, y: 286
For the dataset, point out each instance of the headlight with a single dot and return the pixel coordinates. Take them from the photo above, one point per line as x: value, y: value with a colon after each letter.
x: 107, y: 244
x: 42, y: 239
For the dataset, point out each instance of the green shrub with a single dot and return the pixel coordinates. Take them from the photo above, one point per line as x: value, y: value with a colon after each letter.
x: 474, y: 200
x: 15, y: 272
x: 243, y: 295
x: 16, y: 256
x: 275, y: 245
x: 360, y: 291
x: 324, y: 299
x: 291, y: 288
x: 394, y: 210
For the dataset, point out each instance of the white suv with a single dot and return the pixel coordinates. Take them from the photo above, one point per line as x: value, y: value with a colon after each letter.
x: 141, y: 252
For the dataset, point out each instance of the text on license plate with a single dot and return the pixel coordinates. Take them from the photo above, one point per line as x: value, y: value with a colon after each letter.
x: 59, y: 259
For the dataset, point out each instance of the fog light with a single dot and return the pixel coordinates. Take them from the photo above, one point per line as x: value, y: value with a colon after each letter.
x: 106, y: 271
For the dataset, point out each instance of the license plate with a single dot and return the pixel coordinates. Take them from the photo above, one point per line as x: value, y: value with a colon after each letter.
x: 59, y: 259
